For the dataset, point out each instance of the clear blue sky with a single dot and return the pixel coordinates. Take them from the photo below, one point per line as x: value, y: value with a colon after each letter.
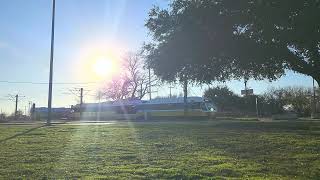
x: 80, y: 25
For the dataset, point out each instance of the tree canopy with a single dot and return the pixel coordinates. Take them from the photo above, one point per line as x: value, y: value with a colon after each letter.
x: 219, y: 40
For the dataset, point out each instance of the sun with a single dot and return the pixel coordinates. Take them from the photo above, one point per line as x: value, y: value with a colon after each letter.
x: 102, y: 66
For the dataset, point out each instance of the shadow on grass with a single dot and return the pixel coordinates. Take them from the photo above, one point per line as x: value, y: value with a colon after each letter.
x: 22, y: 133
x: 274, y: 126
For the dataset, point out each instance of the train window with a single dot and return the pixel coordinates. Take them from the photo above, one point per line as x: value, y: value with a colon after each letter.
x: 195, y: 106
x: 203, y: 107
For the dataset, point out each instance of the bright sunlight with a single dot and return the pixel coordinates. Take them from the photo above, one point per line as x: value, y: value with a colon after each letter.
x: 102, y: 66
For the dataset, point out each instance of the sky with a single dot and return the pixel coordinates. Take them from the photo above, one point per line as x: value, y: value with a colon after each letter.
x: 83, y: 28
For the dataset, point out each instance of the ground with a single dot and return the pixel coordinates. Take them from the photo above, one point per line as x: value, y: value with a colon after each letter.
x: 162, y: 150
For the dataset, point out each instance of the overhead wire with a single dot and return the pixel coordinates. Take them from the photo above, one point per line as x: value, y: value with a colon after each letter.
x: 46, y: 83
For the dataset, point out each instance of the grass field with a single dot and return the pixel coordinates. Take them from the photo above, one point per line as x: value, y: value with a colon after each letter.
x: 163, y: 150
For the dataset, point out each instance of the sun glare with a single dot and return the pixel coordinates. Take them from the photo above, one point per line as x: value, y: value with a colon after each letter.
x: 102, y: 67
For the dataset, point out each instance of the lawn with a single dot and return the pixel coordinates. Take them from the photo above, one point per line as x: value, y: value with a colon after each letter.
x: 223, y: 149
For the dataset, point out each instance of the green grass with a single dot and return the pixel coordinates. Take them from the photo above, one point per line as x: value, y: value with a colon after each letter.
x: 163, y: 150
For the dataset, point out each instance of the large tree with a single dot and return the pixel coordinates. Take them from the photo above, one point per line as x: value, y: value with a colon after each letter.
x: 209, y: 40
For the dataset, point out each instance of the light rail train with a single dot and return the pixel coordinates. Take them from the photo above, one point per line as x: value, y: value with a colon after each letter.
x: 158, y: 108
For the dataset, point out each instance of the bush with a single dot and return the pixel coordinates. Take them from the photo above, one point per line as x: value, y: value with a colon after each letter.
x: 296, y: 99
x: 3, y: 117
x: 274, y: 101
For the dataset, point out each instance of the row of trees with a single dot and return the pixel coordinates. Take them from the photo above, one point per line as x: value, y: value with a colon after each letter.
x: 273, y: 101
x: 19, y: 116
x: 218, y: 40
x: 203, y: 41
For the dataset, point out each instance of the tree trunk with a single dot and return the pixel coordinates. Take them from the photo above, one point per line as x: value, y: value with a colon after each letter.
x: 134, y: 90
x: 317, y: 79
x: 315, y: 98
x: 185, y: 96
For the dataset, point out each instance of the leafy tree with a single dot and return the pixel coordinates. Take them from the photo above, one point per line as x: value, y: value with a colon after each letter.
x: 272, y: 101
x: 222, y: 96
x: 3, y: 116
x: 226, y: 100
x: 209, y: 40
x: 298, y: 98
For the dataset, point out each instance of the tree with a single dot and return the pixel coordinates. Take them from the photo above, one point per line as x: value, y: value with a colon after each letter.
x: 138, y: 76
x: 3, y: 116
x: 132, y: 81
x: 297, y: 99
x: 225, y: 39
x: 300, y: 99
x: 222, y: 96
x: 117, y: 88
x: 273, y: 101
x: 226, y: 100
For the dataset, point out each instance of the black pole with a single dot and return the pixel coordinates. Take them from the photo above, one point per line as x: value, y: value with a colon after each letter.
x: 245, y: 87
x: 185, y: 96
x: 51, y: 64
x: 16, y: 109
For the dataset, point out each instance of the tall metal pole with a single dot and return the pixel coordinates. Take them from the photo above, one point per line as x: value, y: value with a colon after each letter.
x: 16, y: 109
x: 51, y: 64
x: 245, y: 87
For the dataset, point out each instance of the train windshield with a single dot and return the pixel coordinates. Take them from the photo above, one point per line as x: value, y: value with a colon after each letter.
x: 210, y: 106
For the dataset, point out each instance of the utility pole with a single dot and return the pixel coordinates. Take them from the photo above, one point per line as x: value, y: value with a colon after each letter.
x: 170, y: 87
x: 51, y: 64
x: 29, y: 107
x: 81, y: 102
x: 33, y: 110
x: 245, y: 87
x: 75, y: 92
x: 16, y: 109
x: 15, y: 98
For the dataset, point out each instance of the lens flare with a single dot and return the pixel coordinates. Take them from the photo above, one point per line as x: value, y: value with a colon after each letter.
x: 102, y: 67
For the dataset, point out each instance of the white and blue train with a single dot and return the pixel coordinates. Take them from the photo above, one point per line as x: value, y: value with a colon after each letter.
x: 159, y: 108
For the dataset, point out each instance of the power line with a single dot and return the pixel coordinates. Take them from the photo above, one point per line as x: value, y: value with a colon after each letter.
x: 15, y: 98
x: 46, y: 83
